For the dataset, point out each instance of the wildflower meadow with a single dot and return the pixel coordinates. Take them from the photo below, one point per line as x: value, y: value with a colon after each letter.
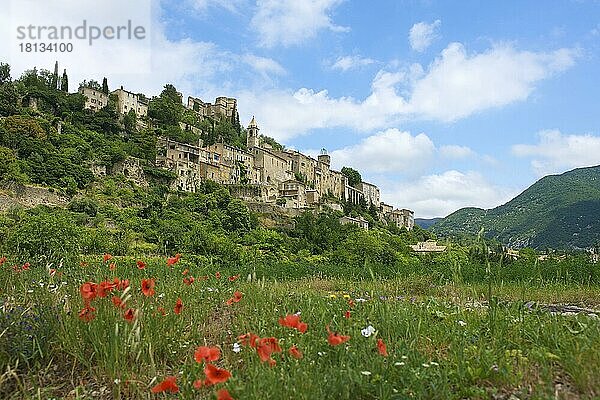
x: 121, y: 327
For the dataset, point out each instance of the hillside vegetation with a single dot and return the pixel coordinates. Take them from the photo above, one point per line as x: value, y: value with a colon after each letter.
x: 558, y: 211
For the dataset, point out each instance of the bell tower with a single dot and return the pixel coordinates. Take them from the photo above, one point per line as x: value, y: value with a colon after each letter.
x: 253, y: 139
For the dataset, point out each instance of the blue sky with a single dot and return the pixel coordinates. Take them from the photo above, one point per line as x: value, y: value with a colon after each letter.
x: 443, y: 104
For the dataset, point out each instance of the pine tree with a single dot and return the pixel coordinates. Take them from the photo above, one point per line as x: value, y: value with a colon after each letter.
x: 105, y: 86
x: 64, y: 84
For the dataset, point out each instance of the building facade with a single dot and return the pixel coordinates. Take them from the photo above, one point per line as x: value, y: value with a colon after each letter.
x: 95, y: 99
x: 127, y: 101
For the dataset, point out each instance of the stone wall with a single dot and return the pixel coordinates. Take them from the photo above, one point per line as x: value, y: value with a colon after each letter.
x: 29, y: 197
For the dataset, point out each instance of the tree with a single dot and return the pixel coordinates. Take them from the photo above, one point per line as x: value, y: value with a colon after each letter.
x: 4, y: 73
x: 105, y: 86
x: 354, y: 178
x: 167, y: 108
x: 64, y: 82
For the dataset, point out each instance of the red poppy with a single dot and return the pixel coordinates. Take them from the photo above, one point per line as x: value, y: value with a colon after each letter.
x: 148, y: 287
x: 188, y: 281
x: 129, y: 314
x: 249, y: 339
x: 218, y: 275
x: 121, y: 284
x: 199, y: 383
x: 223, y: 394
x: 88, y: 291
x: 106, y: 257
x: 204, y: 353
x: 351, y: 303
x: 266, y: 347
x: 237, y: 296
x: 2, y: 260
x: 347, y: 314
x: 233, y: 278
x: 52, y: 271
x: 25, y: 266
x: 140, y: 264
x: 116, y: 300
x: 185, y: 271
x: 87, y: 314
x: 178, y: 307
x: 168, y: 385
x: 112, y: 266
x: 382, y: 348
x: 103, y: 288
x: 216, y: 375
x: 294, y: 352
x: 293, y: 321
x: 335, y: 338
x: 173, y: 260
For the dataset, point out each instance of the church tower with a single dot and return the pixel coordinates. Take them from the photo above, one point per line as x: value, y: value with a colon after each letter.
x: 252, y: 140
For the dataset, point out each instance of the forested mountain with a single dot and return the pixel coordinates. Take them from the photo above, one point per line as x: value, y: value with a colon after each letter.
x: 558, y: 211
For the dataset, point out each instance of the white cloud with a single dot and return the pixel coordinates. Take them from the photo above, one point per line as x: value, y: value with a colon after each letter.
x: 454, y: 86
x: 457, y: 84
x: 291, y: 22
x: 455, y: 151
x: 263, y: 65
x: 351, y: 62
x: 422, y: 34
x: 555, y: 152
x: 388, y: 151
x: 139, y: 68
x: 204, y: 5
x: 438, y: 195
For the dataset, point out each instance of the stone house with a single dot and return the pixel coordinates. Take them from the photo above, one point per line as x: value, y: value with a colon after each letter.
x: 430, y: 246
x: 402, y: 218
x: 358, y: 221
x: 294, y: 193
x: 127, y: 101
x: 94, y: 99
x: 371, y: 194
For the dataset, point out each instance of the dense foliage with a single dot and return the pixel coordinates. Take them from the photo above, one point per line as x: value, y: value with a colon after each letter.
x: 558, y: 211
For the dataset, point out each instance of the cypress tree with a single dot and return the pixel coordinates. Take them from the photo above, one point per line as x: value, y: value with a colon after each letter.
x: 105, y: 86
x: 64, y: 86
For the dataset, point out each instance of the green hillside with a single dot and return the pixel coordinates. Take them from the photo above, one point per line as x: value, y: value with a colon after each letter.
x: 558, y: 211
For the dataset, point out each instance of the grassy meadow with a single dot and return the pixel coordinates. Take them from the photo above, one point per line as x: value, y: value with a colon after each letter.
x: 443, y: 339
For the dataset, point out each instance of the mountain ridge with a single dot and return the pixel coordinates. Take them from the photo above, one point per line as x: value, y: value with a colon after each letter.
x: 557, y: 211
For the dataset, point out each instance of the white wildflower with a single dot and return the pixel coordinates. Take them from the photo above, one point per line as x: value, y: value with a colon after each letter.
x: 237, y: 348
x: 399, y: 364
x: 365, y: 373
x: 368, y: 331
x: 462, y: 323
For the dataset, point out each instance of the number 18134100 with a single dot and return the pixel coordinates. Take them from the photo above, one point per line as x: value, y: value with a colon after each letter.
x: 46, y: 47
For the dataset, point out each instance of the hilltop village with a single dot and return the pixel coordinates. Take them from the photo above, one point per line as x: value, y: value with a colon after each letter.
x: 260, y: 173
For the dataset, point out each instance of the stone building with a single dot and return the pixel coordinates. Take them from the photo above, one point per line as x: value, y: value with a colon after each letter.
x: 352, y: 195
x: 294, y: 193
x: 272, y: 167
x: 240, y: 163
x: 327, y: 180
x: 127, y: 101
x: 223, y: 107
x: 358, y: 221
x: 371, y: 194
x: 403, y: 218
x: 94, y: 99
x: 385, y: 209
x: 429, y: 246
x: 184, y: 160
